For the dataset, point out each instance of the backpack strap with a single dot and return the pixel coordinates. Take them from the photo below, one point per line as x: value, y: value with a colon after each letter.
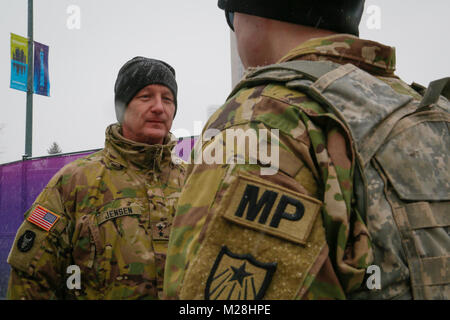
x: 357, y: 98
x: 436, y: 89
x: 368, y: 106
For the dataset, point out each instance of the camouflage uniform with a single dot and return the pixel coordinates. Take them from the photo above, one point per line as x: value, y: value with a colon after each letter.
x: 115, y: 210
x: 217, y: 253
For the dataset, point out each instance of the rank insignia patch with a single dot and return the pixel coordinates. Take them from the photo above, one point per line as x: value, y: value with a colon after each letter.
x: 43, y: 218
x: 160, y: 230
x: 238, y: 277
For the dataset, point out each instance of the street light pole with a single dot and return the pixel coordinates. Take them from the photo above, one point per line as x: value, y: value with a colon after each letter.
x: 29, y: 114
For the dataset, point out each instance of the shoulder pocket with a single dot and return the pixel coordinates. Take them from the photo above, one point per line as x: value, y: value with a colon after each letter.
x: 30, y: 243
x: 416, y: 159
x: 416, y: 163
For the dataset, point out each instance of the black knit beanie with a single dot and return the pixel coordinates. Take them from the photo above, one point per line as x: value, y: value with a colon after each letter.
x: 342, y: 16
x: 138, y: 73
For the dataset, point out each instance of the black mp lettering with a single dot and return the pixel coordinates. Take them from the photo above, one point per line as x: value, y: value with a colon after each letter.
x: 281, y: 213
x: 250, y: 198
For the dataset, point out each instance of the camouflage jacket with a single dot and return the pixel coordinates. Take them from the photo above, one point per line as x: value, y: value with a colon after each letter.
x: 240, y: 236
x: 109, y: 214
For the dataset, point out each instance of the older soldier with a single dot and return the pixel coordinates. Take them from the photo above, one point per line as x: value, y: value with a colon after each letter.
x: 108, y: 215
x: 359, y: 151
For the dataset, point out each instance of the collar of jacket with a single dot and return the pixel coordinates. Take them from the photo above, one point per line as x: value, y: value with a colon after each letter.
x: 370, y: 56
x: 122, y: 153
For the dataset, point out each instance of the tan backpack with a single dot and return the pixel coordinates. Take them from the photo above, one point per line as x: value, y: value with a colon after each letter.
x: 402, y: 184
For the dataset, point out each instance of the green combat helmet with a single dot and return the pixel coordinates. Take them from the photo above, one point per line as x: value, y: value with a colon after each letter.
x: 342, y: 16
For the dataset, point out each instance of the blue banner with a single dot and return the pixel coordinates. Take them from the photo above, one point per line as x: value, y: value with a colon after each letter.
x: 41, y: 82
x: 19, y: 62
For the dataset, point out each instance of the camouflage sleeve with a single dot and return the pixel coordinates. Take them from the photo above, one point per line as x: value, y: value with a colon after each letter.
x: 39, y: 256
x: 226, y: 212
x: 232, y: 217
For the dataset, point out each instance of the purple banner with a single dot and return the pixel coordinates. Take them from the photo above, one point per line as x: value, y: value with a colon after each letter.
x: 41, y: 82
x: 20, y: 184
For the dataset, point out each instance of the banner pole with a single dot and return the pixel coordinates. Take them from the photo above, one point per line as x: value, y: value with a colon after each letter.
x: 29, y: 114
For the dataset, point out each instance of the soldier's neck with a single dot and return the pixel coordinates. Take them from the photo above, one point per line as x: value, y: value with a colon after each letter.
x: 286, y: 36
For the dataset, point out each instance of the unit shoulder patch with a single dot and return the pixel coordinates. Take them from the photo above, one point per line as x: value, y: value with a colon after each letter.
x: 238, y: 277
x: 27, y: 247
x: 26, y: 241
x: 257, y: 204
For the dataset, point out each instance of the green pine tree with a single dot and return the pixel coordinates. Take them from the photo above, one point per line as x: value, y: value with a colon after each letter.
x: 54, y: 149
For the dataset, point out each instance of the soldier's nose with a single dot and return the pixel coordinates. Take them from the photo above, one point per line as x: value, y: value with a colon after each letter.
x: 157, y: 106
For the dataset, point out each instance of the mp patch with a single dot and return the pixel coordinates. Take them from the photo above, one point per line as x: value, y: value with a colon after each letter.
x: 280, y: 212
x: 238, y: 277
x: 43, y: 218
x: 26, y: 241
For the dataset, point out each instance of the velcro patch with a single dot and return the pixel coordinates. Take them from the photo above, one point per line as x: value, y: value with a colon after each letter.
x: 26, y: 241
x: 160, y: 230
x: 118, y: 212
x: 43, y: 218
x: 238, y: 277
x: 260, y: 205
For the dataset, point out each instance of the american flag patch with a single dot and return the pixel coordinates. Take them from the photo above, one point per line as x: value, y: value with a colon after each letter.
x: 43, y: 218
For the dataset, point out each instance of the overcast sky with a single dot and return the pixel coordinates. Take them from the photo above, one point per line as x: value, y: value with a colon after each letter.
x: 192, y: 36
